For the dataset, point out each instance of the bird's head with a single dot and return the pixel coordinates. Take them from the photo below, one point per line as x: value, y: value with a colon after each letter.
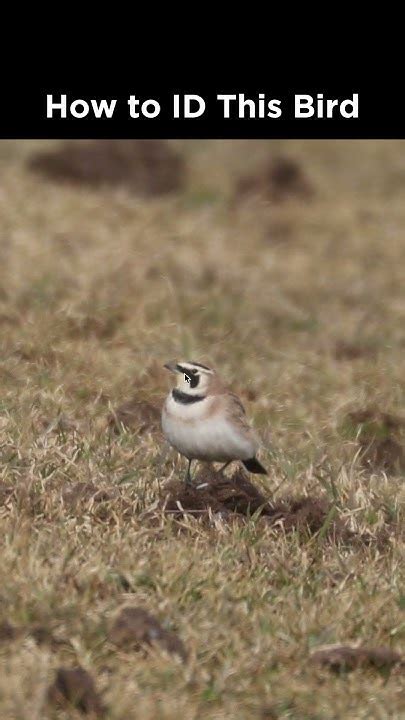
x: 191, y: 377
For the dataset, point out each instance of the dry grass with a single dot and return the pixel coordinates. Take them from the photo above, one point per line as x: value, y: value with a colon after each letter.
x: 301, y: 304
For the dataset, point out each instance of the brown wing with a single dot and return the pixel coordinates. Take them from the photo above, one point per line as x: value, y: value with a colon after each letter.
x: 237, y: 414
x: 237, y: 404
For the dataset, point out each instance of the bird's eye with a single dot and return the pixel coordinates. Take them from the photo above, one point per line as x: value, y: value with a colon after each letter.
x: 186, y: 378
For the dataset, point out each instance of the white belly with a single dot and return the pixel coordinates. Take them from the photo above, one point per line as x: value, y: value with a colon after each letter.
x: 211, y: 439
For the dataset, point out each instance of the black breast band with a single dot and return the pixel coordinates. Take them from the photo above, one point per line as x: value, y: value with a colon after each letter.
x: 185, y: 398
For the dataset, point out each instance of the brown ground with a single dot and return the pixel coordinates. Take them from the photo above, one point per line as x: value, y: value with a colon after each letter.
x: 147, y: 168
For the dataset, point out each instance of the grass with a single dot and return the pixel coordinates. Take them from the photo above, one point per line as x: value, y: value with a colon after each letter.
x: 97, y: 289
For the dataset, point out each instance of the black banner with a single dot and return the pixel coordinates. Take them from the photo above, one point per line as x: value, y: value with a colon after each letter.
x: 251, y: 110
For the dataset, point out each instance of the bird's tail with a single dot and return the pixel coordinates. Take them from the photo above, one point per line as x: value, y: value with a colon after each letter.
x: 254, y: 466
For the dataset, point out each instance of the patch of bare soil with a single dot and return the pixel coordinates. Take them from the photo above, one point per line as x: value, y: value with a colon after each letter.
x: 134, y: 628
x: 135, y: 414
x: 279, y: 179
x: 345, y: 350
x: 345, y: 658
x: 309, y: 514
x: 213, y: 492
x: 146, y: 167
x: 380, y: 435
x: 269, y: 713
x: 74, y: 687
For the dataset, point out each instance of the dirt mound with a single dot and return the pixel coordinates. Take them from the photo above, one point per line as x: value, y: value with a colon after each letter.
x: 212, y: 492
x: 146, y: 167
x: 280, y: 178
x: 304, y: 513
x: 135, y: 628
x: 344, y: 658
x: 381, y: 437
x: 345, y: 350
x: 74, y: 687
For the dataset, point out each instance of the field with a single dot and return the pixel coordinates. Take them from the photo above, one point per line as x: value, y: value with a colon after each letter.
x: 287, y: 278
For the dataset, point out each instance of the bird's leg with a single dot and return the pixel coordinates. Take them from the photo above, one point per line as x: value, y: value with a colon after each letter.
x: 221, y: 470
x: 188, y: 474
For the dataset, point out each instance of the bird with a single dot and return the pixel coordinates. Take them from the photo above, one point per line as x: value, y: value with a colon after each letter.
x: 203, y: 420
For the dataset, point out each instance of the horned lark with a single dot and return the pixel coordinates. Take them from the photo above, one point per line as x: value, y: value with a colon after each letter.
x: 203, y: 420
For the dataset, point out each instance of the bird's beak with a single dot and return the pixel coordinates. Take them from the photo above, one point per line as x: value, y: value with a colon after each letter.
x: 172, y: 366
